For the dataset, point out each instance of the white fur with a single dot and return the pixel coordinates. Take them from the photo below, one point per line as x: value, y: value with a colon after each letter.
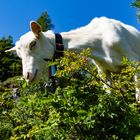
x: 109, y: 39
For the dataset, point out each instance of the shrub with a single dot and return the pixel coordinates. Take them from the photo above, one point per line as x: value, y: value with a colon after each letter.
x: 79, y: 108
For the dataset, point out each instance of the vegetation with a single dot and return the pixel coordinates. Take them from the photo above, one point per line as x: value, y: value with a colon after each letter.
x: 10, y: 65
x: 136, y: 4
x: 45, y: 21
x: 79, y: 108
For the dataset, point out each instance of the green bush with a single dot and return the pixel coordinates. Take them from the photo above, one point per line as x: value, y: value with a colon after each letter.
x: 80, y: 108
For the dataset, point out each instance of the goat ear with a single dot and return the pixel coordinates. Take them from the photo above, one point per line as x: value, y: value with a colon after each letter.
x: 35, y: 28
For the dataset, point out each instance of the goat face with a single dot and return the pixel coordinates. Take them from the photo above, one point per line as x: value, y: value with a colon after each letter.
x: 31, y: 48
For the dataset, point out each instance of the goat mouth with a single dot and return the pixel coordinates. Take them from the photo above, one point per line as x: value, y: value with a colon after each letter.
x: 36, y: 72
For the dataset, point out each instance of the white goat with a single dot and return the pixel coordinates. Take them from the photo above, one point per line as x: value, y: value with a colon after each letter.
x: 110, y: 40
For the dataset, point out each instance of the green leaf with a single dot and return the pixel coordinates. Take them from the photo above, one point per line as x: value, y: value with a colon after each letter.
x: 82, y: 112
x: 137, y: 137
x: 24, y: 85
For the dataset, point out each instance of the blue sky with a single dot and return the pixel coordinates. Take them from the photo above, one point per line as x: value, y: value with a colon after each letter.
x: 15, y: 15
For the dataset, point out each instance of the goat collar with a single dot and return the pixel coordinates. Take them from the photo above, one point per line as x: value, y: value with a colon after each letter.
x: 59, y: 52
x: 59, y: 47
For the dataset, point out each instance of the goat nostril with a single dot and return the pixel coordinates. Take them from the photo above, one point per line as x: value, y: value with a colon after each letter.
x: 28, y: 75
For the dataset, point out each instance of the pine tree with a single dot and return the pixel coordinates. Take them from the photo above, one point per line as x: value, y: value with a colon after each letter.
x: 137, y: 5
x: 45, y: 21
x: 10, y: 65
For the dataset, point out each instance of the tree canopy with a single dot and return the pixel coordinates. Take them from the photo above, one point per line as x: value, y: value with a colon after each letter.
x: 137, y: 5
x: 45, y: 21
x: 10, y: 65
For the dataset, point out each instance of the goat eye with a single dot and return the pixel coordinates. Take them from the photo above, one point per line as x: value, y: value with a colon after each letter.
x: 32, y: 45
